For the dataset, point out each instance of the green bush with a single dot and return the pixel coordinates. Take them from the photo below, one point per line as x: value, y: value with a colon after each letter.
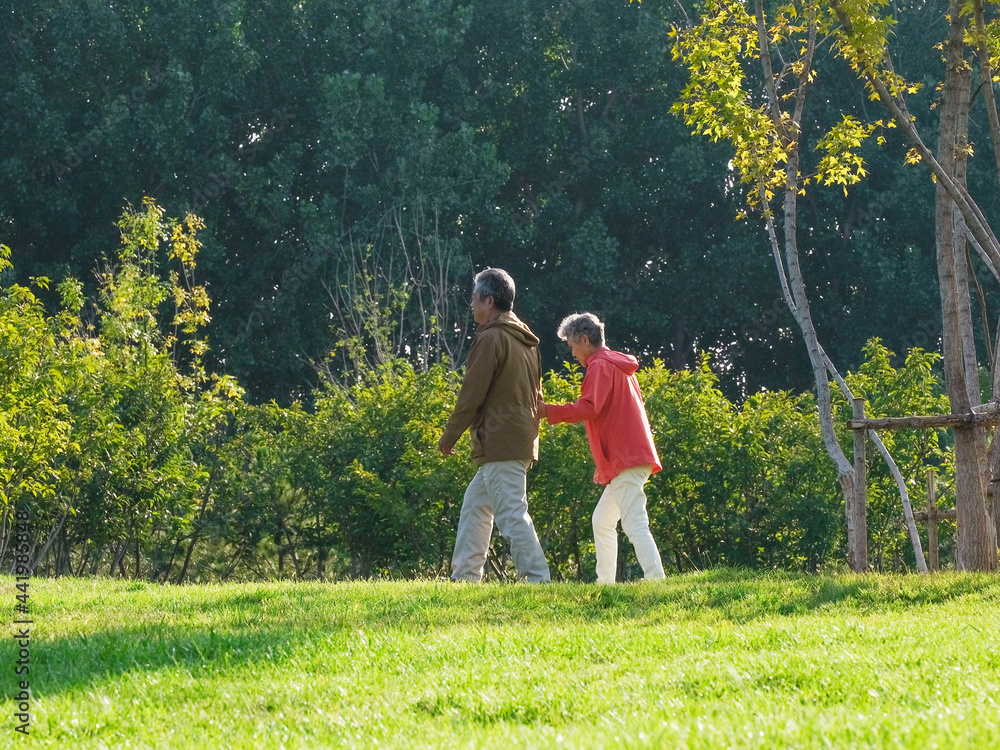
x: 390, y: 494
x: 913, y: 388
x: 133, y: 460
x: 742, y: 485
x: 122, y: 412
x: 35, y: 425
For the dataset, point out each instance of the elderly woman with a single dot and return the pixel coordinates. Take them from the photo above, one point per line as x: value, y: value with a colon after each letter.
x: 621, y: 443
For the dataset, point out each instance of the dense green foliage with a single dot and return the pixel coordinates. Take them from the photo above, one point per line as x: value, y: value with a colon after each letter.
x: 110, y: 417
x: 132, y: 459
x: 706, y: 660
x: 355, y: 161
x: 910, y: 389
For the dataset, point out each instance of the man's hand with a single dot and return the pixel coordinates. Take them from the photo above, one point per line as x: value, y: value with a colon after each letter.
x: 448, y: 450
x: 542, y: 409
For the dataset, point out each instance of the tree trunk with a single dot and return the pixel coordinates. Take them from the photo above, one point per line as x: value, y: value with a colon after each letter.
x: 992, y: 479
x: 857, y: 528
x: 187, y: 557
x: 96, y: 562
x: 793, y: 284
x: 48, y: 543
x: 7, y: 526
x: 976, y: 536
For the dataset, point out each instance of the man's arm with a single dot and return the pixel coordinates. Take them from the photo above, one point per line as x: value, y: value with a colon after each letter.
x: 479, y: 369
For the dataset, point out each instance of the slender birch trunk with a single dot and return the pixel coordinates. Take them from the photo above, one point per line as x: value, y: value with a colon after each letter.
x: 793, y: 284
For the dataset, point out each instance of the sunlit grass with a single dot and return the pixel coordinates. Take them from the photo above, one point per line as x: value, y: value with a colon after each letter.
x: 713, y: 660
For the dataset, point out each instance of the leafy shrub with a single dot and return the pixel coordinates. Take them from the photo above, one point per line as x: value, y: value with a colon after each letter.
x: 913, y: 388
x: 134, y: 460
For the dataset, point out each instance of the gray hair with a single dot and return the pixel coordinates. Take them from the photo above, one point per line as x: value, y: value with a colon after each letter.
x: 582, y: 324
x: 495, y: 283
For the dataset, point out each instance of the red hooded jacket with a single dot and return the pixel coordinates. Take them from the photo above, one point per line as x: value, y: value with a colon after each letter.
x: 611, y: 407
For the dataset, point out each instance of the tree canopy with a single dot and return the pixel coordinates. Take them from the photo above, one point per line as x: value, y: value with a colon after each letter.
x: 355, y: 163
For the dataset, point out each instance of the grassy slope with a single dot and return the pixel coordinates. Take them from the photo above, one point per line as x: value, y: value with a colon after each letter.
x: 713, y: 660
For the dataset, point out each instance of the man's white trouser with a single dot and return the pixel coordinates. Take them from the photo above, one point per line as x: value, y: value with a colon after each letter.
x: 498, y: 493
x: 624, y: 499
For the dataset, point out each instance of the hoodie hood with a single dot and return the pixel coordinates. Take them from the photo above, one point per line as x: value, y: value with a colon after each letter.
x: 515, y: 327
x: 624, y: 362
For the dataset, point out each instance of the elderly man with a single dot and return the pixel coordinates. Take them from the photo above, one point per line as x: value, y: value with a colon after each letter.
x: 621, y: 443
x: 498, y: 404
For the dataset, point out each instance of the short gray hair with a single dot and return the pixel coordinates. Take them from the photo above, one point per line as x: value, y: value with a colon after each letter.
x: 582, y: 324
x: 495, y: 283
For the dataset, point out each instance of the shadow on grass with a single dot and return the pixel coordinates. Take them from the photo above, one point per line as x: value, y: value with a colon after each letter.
x: 74, y: 663
x: 743, y: 595
x: 88, y: 631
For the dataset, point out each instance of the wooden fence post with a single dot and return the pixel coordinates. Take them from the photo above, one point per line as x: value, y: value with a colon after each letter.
x: 932, y: 535
x: 857, y: 505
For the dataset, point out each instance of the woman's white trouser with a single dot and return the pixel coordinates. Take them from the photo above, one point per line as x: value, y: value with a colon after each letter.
x: 624, y: 500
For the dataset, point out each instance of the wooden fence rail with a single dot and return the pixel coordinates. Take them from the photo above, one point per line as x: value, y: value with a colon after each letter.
x: 925, y: 422
x: 988, y: 414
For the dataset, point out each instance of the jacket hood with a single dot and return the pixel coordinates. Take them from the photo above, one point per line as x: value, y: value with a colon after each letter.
x: 515, y: 327
x: 624, y: 362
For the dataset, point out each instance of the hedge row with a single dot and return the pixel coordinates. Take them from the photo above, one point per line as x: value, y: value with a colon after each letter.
x: 128, y: 458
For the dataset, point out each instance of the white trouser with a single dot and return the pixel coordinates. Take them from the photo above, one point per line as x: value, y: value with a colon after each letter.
x: 498, y: 493
x: 624, y: 499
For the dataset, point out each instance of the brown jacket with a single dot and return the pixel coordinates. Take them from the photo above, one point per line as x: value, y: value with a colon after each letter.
x: 498, y: 402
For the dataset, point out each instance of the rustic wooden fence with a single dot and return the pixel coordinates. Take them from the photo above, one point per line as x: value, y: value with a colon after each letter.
x: 857, y: 509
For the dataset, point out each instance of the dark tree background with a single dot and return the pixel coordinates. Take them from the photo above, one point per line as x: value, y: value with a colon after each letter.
x: 357, y: 162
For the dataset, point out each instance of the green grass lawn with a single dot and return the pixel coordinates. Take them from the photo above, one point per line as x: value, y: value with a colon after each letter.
x: 711, y: 660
